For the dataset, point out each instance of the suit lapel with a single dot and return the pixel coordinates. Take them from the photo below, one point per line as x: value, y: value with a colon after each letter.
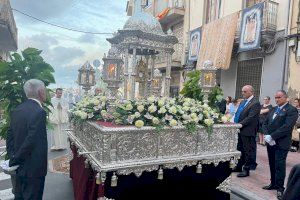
x: 248, y: 105
x: 273, y: 120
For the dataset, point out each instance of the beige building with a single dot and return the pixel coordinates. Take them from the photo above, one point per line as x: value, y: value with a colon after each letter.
x: 266, y: 68
x: 8, y: 30
x: 294, y: 50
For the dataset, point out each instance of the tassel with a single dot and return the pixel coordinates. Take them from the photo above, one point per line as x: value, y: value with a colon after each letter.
x: 160, y: 175
x: 98, y: 179
x: 86, y: 164
x: 232, y: 163
x: 199, y: 168
x: 114, y: 180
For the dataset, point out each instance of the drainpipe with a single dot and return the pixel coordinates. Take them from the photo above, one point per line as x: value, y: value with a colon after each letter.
x: 286, y: 56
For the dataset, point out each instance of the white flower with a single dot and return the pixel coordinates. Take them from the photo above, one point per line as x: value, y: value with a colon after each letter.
x: 148, y: 116
x: 83, y: 115
x: 168, y: 117
x: 140, y: 108
x: 193, y: 115
x: 90, y: 115
x: 129, y: 119
x: 186, y: 104
x: 6, y: 82
x: 185, y: 108
x: 173, y: 110
x: 152, y: 108
x: 173, y: 122
x: 225, y: 119
x: 14, y: 83
x: 137, y: 114
x: 162, y: 110
x: 161, y: 103
x: 200, y: 116
x: 196, y: 119
x: 16, y: 71
x: 103, y: 112
x: 155, y: 120
x: 151, y: 99
x: 139, y: 123
x: 96, y: 102
x: 208, y: 122
x: 172, y: 101
x: 128, y: 107
x: 186, y: 117
x: 103, y: 98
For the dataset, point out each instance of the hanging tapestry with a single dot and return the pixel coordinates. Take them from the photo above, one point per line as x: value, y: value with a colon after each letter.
x: 217, y: 41
x: 250, y: 28
x: 195, y: 42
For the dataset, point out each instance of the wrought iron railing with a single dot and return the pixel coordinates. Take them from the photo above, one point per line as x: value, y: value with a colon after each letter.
x: 6, y: 15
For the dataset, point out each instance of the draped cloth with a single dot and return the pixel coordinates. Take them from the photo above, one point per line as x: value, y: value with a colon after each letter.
x: 217, y: 41
x: 59, y: 120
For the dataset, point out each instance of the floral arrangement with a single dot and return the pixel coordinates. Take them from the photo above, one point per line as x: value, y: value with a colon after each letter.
x: 160, y: 112
x: 91, y: 108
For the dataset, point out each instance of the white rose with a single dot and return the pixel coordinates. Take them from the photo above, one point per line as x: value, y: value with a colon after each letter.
x: 137, y: 114
x: 151, y: 99
x: 128, y: 107
x: 224, y: 119
x: 162, y: 110
x: 161, y: 103
x: 152, y: 109
x: 173, y: 122
x: 173, y: 110
x: 208, y: 122
x: 140, y: 108
x: 155, y: 120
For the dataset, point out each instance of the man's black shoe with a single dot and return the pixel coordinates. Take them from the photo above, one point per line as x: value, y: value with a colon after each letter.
x: 236, y: 169
x: 279, y: 194
x: 244, y: 173
x: 270, y: 187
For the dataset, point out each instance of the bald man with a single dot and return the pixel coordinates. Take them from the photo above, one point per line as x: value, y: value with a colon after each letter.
x: 248, y: 116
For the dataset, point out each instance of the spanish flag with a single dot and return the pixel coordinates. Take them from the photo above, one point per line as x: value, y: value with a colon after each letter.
x: 162, y: 14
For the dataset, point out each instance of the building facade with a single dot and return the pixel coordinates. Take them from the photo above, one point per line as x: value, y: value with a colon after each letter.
x: 266, y: 68
x: 8, y: 30
x: 294, y: 50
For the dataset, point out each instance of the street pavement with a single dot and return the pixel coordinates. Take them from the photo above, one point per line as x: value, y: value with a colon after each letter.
x: 251, y: 187
x: 58, y: 186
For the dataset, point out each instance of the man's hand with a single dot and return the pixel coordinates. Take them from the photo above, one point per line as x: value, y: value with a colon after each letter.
x: 269, y: 140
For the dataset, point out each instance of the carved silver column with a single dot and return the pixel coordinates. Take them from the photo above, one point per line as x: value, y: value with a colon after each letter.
x: 145, y: 85
x: 126, y: 77
x: 133, y: 74
x: 153, y: 57
x: 168, y: 74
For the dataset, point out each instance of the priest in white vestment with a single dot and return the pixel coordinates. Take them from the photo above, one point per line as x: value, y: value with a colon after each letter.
x: 59, y: 120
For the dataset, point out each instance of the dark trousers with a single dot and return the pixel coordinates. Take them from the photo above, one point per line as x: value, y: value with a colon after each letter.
x: 247, y: 147
x: 29, y: 188
x: 277, y: 163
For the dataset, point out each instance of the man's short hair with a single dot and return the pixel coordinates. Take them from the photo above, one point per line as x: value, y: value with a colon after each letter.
x: 58, y: 89
x: 32, y: 88
x: 284, y: 93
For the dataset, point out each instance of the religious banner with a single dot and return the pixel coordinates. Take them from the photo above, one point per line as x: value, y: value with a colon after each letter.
x: 250, y: 28
x: 195, y: 42
x: 217, y: 42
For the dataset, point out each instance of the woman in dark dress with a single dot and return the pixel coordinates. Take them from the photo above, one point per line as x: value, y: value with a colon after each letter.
x: 266, y: 107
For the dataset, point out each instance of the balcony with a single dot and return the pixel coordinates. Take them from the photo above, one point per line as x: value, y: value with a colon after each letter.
x: 269, y: 23
x: 8, y: 29
x: 176, y: 12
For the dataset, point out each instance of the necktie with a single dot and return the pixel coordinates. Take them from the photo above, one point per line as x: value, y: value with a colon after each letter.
x: 276, y: 112
x: 239, y: 111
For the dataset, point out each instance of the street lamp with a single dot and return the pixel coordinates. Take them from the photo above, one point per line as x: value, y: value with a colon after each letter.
x: 86, y: 77
x: 157, y: 83
x: 208, y: 78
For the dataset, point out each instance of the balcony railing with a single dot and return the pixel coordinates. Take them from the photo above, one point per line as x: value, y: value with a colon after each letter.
x: 7, y: 19
x: 269, y: 21
x: 176, y: 4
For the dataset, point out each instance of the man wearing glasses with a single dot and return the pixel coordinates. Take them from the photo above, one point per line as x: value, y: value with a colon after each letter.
x: 248, y: 116
x: 278, y: 132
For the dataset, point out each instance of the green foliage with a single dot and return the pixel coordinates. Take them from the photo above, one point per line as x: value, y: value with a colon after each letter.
x: 13, y: 75
x: 215, y: 96
x: 191, y: 88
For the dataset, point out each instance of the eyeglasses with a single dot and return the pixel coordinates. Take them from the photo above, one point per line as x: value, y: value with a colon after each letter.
x: 278, y: 97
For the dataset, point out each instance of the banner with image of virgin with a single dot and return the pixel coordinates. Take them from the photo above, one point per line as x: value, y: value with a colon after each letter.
x: 250, y: 28
x: 195, y: 42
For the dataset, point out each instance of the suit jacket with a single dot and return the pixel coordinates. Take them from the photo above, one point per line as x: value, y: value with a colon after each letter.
x: 27, y: 140
x: 292, y: 191
x: 249, y: 118
x: 280, y: 128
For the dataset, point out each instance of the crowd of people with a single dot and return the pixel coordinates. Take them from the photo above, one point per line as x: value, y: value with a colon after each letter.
x: 276, y: 127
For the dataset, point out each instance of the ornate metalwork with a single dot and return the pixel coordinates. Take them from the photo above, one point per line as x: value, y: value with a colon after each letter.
x: 126, y: 150
x: 225, y: 185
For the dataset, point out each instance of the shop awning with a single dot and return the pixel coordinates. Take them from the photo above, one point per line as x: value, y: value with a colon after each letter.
x: 217, y: 41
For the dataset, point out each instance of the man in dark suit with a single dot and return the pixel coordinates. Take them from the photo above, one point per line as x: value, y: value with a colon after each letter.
x: 248, y: 116
x: 278, y: 132
x: 27, y: 142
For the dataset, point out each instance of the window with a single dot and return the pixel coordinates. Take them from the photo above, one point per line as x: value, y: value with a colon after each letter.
x: 213, y: 8
x: 249, y: 73
x: 250, y: 3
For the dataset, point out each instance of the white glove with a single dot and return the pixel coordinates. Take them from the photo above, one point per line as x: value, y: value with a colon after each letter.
x: 268, y: 138
x: 272, y: 143
x: 5, y: 166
